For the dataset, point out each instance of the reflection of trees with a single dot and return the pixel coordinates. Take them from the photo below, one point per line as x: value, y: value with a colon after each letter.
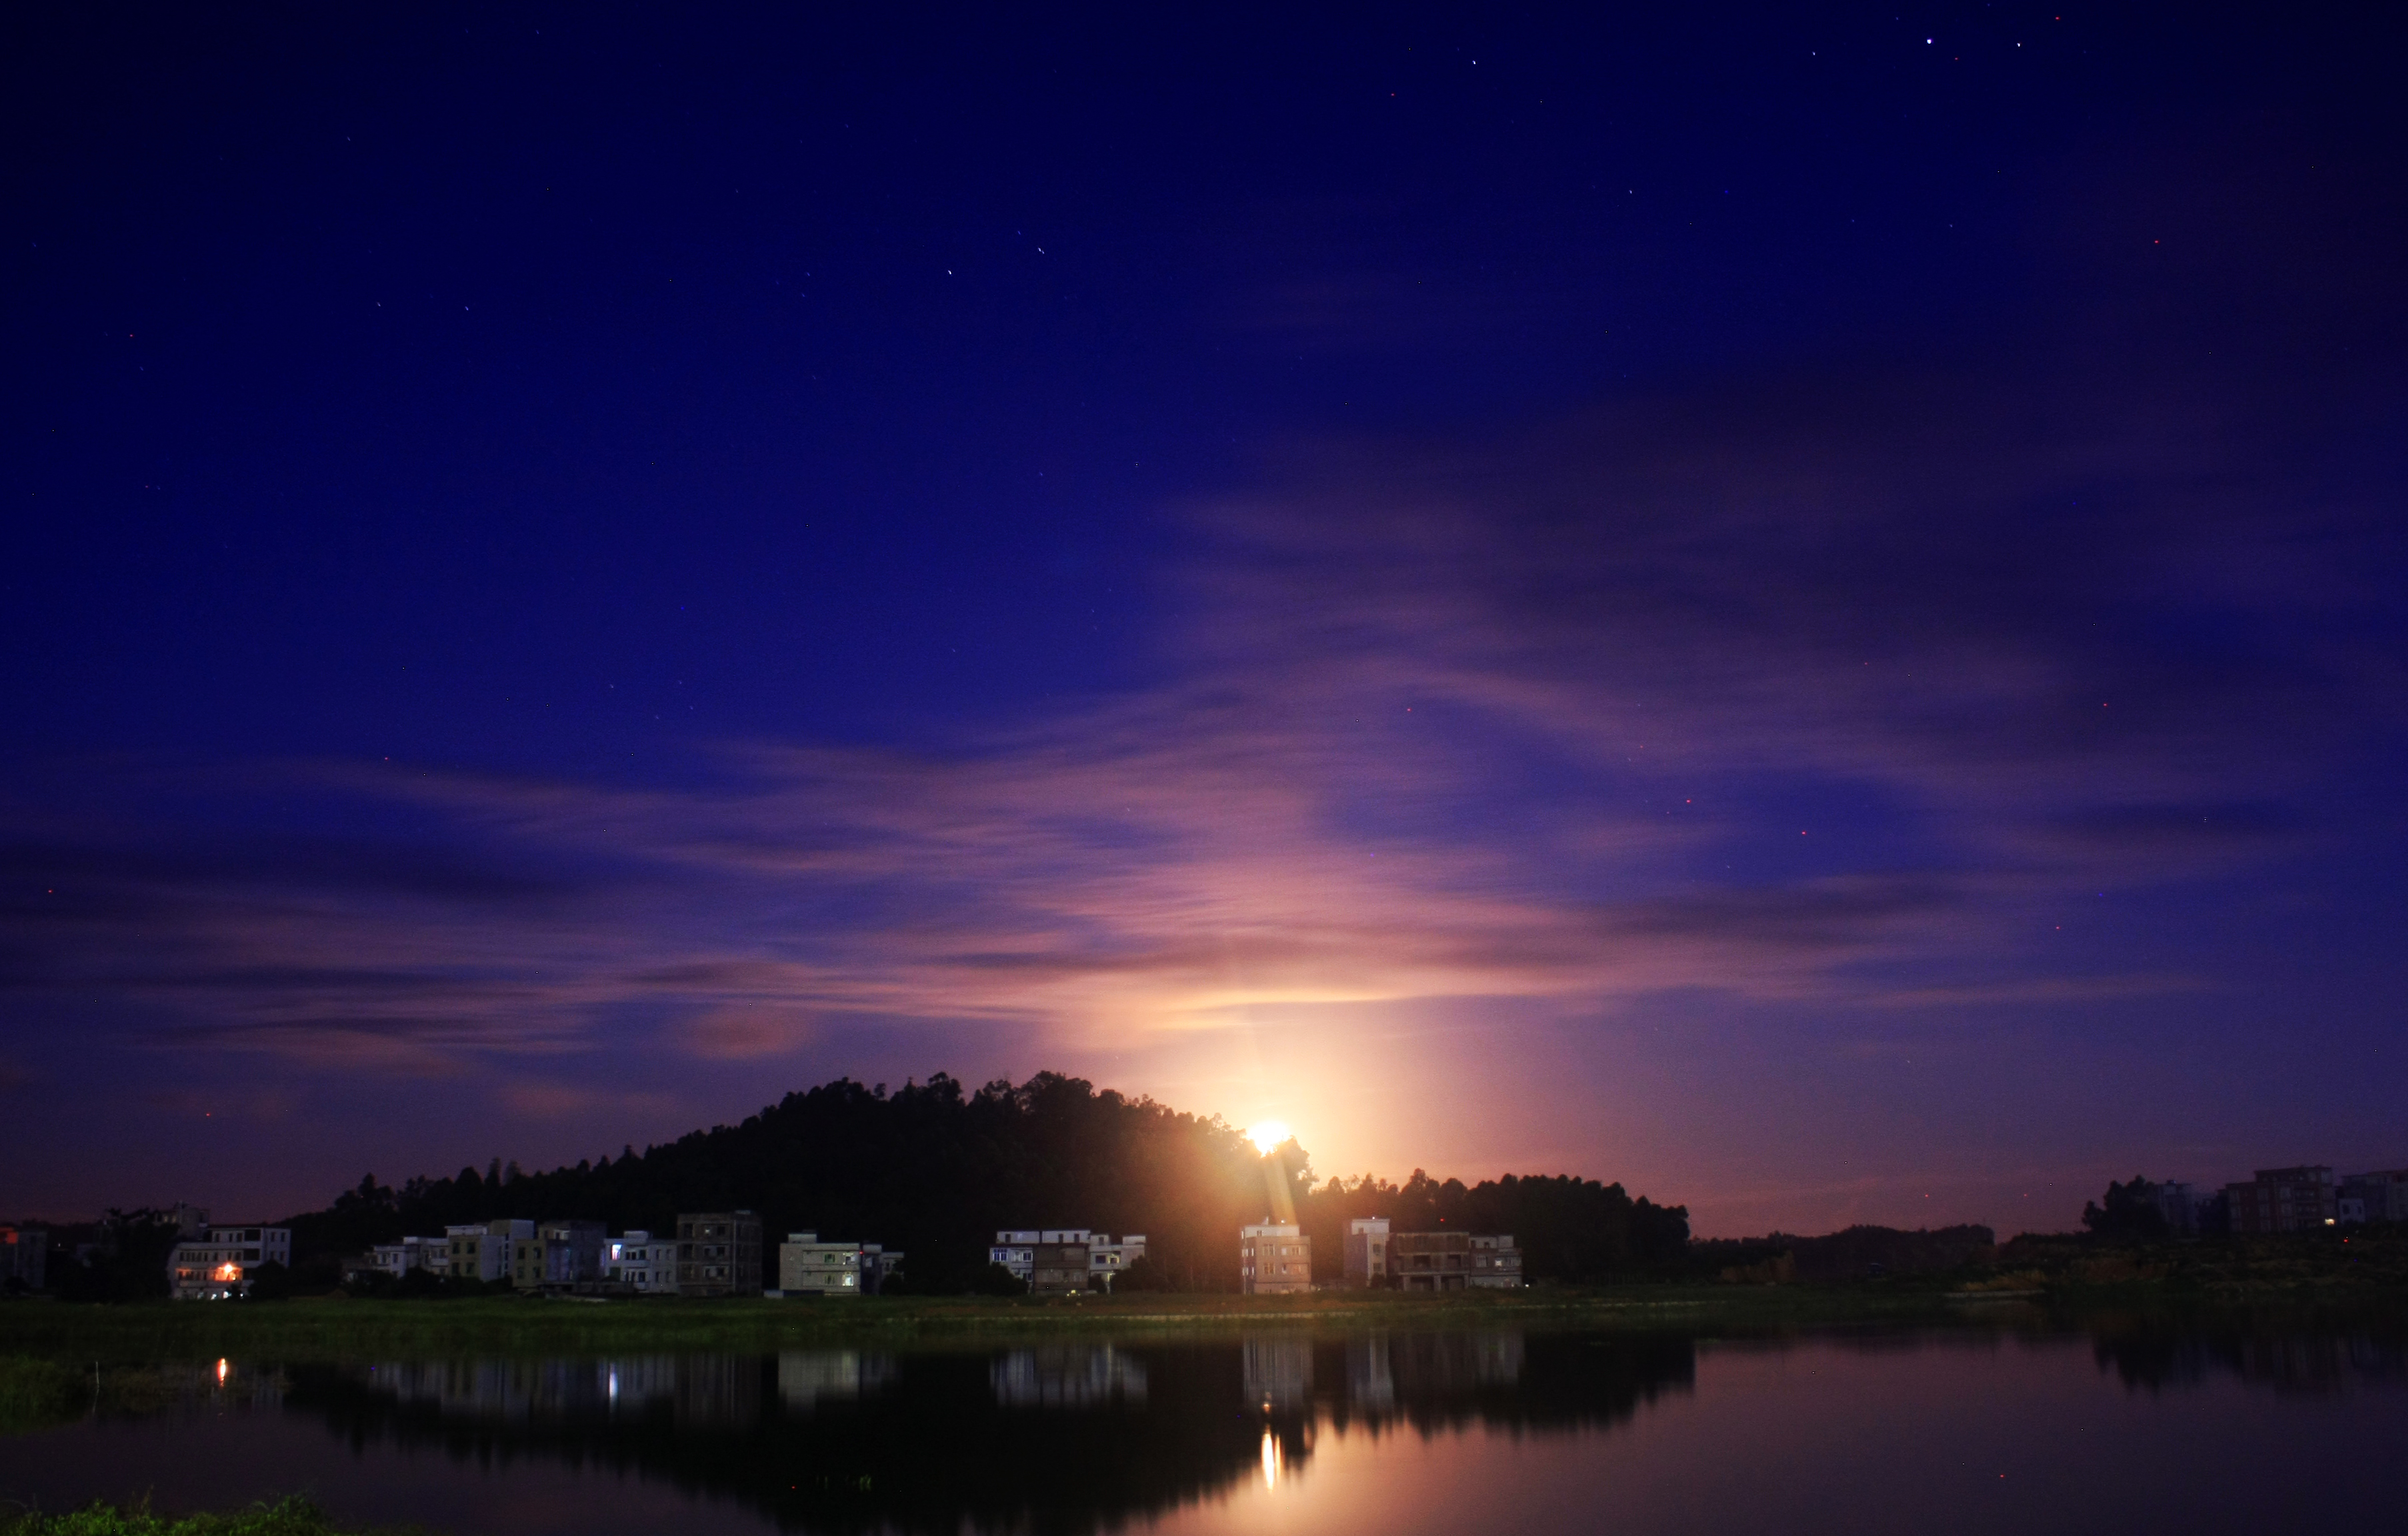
x: 2153, y: 1351
x: 1057, y: 1437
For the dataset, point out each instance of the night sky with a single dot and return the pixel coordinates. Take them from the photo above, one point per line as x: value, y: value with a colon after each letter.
x: 1803, y: 608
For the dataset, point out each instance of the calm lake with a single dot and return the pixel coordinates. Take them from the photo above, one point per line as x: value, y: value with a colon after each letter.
x: 2123, y: 1425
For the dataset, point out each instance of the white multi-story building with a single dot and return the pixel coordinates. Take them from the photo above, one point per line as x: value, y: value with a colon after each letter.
x: 643, y: 1261
x: 808, y: 1267
x: 1016, y: 1250
x: 400, y: 1258
x: 223, y: 1262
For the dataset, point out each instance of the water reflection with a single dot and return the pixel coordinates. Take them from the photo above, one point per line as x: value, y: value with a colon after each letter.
x: 2155, y: 1354
x: 1068, y: 1376
x: 1079, y: 1436
x: 855, y: 1439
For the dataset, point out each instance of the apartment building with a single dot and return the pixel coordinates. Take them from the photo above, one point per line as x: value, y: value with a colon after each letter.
x: 2188, y: 1208
x: 482, y: 1250
x: 24, y: 1257
x: 2285, y: 1199
x: 1092, y: 1268
x: 718, y: 1253
x: 1367, y: 1251
x: 1430, y: 1261
x: 1495, y: 1262
x: 400, y: 1258
x: 641, y: 1262
x: 1274, y: 1258
x: 2374, y: 1196
x: 572, y: 1250
x: 808, y: 1267
x: 557, y: 1254
x: 221, y: 1263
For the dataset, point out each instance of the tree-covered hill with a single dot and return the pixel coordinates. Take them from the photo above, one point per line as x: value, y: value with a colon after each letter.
x: 936, y: 1171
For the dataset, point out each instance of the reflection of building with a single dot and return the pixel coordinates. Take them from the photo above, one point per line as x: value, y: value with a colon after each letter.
x: 718, y: 1253
x: 1278, y: 1372
x: 1371, y: 1381
x: 2285, y: 1199
x: 641, y: 1261
x: 1092, y: 1268
x: 719, y: 1391
x: 1274, y: 1258
x: 24, y: 1257
x: 223, y: 1263
x: 1437, y: 1365
x: 2374, y: 1196
x: 1066, y: 1376
x: 700, y: 1390
x: 807, y: 1377
x: 808, y: 1267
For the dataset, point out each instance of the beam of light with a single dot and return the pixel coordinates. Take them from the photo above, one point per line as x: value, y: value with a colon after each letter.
x: 1268, y: 1134
x: 1270, y: 1460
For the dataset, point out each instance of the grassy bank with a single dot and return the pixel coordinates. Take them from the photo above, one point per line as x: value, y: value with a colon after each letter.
x: 35, y: 1393
x: 283, y: 1517
x: 341, y: 1329
x: 2044, y: 1273
x: 337, y: 1331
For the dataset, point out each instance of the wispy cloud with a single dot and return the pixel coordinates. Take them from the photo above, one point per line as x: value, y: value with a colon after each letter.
x: 1798, y: 693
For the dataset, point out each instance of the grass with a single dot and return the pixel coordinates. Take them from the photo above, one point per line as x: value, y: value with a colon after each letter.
x: 356, y: 1330
x: 293, y: 1516
x: 36, y: 1394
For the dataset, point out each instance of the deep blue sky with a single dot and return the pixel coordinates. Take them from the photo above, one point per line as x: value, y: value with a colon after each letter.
x: 1799, y: 608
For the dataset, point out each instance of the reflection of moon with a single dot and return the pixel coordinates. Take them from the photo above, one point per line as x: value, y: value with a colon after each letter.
x: 1268, y: 1135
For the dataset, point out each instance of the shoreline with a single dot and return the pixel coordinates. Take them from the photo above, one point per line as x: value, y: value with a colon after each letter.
x: 344, y: 1327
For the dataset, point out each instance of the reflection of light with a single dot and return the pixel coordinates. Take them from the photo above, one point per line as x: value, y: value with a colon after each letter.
x: 221, y: 1370
x: 1268, y: 1135
x: 1270, y: 1460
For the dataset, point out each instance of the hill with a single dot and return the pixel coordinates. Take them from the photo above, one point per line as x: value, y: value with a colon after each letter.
x: 936, y: 1171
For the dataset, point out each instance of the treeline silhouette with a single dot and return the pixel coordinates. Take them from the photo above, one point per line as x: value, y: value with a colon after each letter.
x: 936, y: 1171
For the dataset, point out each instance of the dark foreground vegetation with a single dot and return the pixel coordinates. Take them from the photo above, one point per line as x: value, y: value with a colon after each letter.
x: 283, y: 1517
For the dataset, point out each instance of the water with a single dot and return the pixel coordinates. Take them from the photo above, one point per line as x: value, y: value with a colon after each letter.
x: 2124, y: 1426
